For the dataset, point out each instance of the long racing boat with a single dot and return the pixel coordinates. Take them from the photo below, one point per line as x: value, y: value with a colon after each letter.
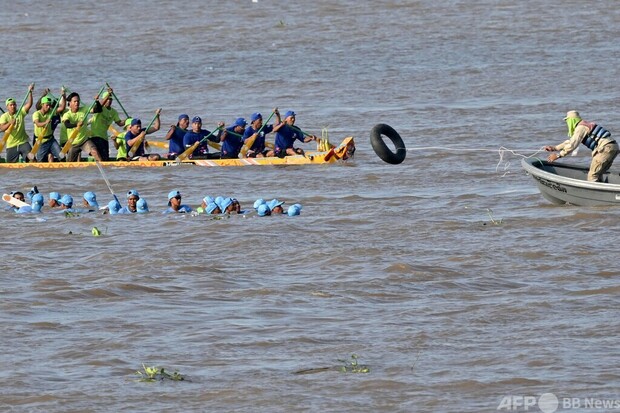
x: 342, y: 152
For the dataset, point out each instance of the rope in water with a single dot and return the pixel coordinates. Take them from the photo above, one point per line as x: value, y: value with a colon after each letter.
x: 501, y: 151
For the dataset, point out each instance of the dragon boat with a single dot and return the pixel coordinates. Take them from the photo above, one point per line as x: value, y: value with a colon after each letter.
x: 339, y: 153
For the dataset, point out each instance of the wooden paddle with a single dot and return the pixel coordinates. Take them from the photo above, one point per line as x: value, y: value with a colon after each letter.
x: 142, y: 135
x: 37, y: 143
x: 113, y: 131
x: 158, y: 144
x: 187, y: 152
x: 14, y: 201
x: 8, y: 131
x: 250, y: 141
x: 71, y: 138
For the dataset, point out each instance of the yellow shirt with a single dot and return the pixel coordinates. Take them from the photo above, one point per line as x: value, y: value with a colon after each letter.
x: 122, y: 146
x: 102, y: 120
x: 18, y: 134
x: 74, y: 117
x: 42, y: 131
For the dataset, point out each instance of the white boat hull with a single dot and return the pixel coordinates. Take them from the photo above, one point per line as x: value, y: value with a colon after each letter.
x: 562, y: 183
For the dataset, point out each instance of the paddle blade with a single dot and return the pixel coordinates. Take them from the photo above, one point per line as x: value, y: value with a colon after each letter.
x: 113, y: 131
x: 187, y: 152
x: 65, y: 149
x: 5, y: 138
x: 69, y: 142
x: 248, y: 144
x: 13, y: 201
x: 135, y: 146
x: 159, y: 145
x: 35, y: 148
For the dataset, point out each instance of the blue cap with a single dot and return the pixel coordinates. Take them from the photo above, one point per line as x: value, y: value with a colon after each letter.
x: 196, y: 119
x: 173, y: 194
x: 132, y: 192
x: 141, y: 206
x: 293, y: 210
x: 289, y: 113
x: 136, y: 121
x: 183, y: 116
x: 91, y: 198
x: 240, y: 122
x: 208, y: 199
x: 113, y: 207
x: 211, y: 206
x: 298, y: 206
x: 226, y: 202
x: 55, y: 196
x: 67, y: 200
x: 263, y: 210
x: 274, y: 203
x: 255, y: 116
x: 258, y: 202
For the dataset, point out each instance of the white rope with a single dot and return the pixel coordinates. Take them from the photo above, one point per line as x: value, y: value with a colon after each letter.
x: 105, y: 178
x: 501, y: 151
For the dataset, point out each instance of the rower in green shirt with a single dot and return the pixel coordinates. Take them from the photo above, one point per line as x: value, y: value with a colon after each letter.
x: 17, y: 143
x: 101, y: 122
x: 75, y: 116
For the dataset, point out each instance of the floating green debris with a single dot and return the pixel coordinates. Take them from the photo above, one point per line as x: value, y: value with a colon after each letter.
x: 96, y: 232
x: 158, y: 374
x: 352, y: 366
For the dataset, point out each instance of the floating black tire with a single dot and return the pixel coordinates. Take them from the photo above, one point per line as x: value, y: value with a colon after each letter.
x: 381, y: 149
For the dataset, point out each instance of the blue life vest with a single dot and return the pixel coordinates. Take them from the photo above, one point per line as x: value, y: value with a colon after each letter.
x: 596, y: 134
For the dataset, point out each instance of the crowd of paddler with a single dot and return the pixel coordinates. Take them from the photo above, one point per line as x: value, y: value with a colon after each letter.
x: 138, y: 205
x: 84, y: 129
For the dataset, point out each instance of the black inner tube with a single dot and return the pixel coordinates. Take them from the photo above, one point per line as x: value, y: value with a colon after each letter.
x: 380, y: 147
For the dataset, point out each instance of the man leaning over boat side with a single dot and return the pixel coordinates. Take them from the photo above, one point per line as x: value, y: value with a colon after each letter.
x: 286, y: 134
x: 594, y: 137
x: 17, y: 143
